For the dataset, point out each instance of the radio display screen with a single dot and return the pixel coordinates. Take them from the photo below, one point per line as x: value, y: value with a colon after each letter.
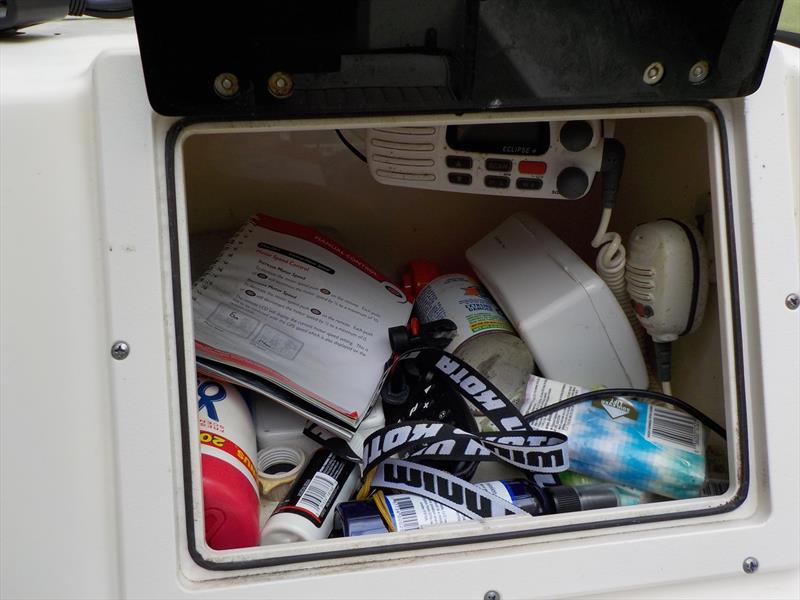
x: 500, y: 138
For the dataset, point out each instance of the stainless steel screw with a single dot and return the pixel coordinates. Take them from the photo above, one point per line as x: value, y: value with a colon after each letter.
x: 653, y: 73
x: 491, y: 595
x: 120, y: 350
x: 698, y: 72
x: 750, y: 565
x: 792, y: 301
x: 226, y: 85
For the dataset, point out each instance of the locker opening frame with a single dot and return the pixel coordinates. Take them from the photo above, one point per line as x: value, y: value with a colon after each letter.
x: 736, y: 422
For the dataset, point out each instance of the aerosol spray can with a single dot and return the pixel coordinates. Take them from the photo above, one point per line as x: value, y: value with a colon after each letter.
x: 306, y: 513
x: 228, y: 448
x: 484, y: 338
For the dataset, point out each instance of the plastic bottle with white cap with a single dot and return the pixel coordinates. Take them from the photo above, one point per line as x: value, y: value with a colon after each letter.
x: 306, y: 513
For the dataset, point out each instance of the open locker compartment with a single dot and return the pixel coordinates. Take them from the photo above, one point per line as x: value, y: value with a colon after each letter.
x: 676, y: 167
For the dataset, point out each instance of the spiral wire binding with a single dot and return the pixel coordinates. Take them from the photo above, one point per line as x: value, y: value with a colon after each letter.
x: 206, y: 279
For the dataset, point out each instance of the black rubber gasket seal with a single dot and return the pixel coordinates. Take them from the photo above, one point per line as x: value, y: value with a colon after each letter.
x: 741, y: 405
x: 791, y: 38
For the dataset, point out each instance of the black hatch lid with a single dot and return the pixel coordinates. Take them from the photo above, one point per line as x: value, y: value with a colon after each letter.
x: 368, y: 57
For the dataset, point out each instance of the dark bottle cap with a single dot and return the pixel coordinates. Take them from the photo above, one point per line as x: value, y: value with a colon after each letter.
x: 565, y: 498
x: 358, y: 518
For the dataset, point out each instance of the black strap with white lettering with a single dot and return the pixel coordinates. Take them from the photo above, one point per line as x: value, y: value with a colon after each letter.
x: 473, y: 386
x: 516, y: 443
x: 537, y: 451
x: 444, y: 488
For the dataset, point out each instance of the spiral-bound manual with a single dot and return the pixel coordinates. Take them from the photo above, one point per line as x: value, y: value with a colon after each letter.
x: 298, y: 318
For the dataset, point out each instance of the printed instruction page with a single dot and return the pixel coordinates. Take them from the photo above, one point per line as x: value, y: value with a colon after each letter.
x: 289, y: 304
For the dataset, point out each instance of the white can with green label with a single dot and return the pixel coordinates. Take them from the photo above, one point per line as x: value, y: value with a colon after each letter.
x: 484, y: 337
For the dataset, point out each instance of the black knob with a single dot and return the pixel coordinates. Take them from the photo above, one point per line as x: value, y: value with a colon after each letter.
x: 576, y: 135
x: 572, y: 183
x: 399, y: 339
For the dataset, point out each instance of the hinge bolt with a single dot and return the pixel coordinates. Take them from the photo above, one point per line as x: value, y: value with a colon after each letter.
x: 653, y: 73
x: 280, y: 84
x: 226, y: 85
x: 699, y: 71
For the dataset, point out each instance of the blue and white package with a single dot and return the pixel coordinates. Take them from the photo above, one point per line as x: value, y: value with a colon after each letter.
x: 625, y: 441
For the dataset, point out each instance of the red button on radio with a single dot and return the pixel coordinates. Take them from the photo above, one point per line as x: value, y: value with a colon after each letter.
x: 532, y: 167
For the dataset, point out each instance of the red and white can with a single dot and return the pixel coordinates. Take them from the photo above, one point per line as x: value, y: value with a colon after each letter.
x: 484, y: 337
x: 228, y: 449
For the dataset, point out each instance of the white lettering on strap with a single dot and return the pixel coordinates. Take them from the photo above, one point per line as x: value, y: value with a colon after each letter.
x: 396, y: 437
x: 424, y: 430
x: 447, y: 366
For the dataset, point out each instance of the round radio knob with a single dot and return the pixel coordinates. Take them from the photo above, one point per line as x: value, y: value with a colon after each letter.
x: 576, y: 135
x: 572, y: 183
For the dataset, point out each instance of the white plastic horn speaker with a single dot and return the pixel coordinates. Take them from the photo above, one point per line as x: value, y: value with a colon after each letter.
x: 563, y: 311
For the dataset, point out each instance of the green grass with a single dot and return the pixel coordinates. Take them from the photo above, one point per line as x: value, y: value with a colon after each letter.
x: 790, y: 16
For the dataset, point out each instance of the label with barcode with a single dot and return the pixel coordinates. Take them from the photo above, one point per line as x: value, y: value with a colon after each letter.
x: 410, y: 512
x: 317, y: 493
x: 314, y: 493
x: 405, y: 515
x: 673, y: 428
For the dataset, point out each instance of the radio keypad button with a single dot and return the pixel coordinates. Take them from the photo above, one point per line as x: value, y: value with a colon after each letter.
x: 459, y: 162
x: 498, y: 164
x: 495, y: 181
x: 460, y: 178
x: 532, y: 167
x: 529, y: 184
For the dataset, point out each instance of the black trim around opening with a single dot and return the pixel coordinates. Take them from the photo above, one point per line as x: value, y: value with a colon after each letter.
x: 741, y: 430
x: 791, y: 38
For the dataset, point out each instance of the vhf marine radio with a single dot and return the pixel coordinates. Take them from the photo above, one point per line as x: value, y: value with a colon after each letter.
x: 543, y: 159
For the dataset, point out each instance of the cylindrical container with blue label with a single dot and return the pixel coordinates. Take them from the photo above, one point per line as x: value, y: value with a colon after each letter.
x: 407, y: 512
